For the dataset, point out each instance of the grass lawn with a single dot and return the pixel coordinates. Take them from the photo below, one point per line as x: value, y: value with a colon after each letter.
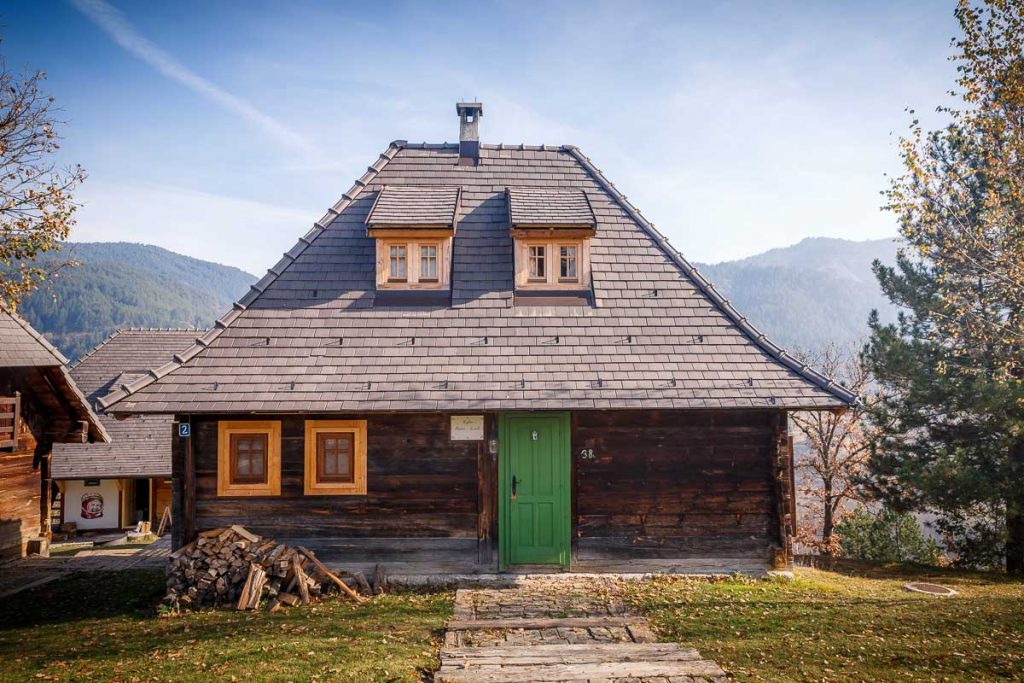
x: 105, y: 626
x: 853, y: 624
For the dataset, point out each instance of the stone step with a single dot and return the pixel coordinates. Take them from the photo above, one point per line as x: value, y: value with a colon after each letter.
x: 540, y: 623
x: 588, y: 671
x: 469, y: 657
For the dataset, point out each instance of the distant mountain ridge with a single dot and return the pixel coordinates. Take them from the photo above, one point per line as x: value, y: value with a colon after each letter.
x: 802, y: 296
x: 122, y: 284
x: 807, y: 295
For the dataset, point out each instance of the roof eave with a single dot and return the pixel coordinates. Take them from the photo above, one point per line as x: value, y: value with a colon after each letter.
x: 759, y: 338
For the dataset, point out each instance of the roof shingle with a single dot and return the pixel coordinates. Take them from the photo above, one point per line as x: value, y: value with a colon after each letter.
x: 140, y: 446
x: 546, y: 207
x: 308, y: 337
x: 414, y: 207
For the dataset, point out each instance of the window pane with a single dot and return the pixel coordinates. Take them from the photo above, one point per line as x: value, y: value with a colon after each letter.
x: 335, y: 457
x: 248, y: 458
x: 397, y: 267
x: 537, y: 271
x: 567, y: 266
x: 428, y: 262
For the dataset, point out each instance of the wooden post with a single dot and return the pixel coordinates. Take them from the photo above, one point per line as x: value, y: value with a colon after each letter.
x: 183, y: 487
x: 188, y: 508
x: 782, y: 473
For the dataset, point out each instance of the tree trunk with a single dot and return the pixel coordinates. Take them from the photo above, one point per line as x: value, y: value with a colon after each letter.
x: 1015, y: 543
x: 828, y: 523
x: 1015, y: 512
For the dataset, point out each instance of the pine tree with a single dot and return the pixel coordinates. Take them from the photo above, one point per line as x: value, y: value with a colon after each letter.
x: 950, y: 421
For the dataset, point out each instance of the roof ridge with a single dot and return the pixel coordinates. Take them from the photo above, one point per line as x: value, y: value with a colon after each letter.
x: 518, y: 146
x: 35, y: 334
x: 759, y: 338
x: 255, y: 290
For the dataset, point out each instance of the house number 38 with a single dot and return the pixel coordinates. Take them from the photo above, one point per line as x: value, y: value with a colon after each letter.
x: 587, y: 454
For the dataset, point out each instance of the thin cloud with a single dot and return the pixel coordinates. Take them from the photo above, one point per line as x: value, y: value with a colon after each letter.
x: 111, y: 21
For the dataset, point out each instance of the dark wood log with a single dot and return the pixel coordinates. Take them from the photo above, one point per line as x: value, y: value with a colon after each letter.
x: 380, y: 580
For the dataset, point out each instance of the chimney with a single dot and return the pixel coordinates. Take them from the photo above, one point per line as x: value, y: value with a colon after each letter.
x: 469, y: 131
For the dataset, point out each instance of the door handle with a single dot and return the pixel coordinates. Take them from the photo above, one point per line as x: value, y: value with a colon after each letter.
x: 515, y: 483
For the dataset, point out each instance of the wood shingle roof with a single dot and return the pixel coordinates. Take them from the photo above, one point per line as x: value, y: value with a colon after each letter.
x: 414, y: 207
x: 308, y: 337
x: 542, y: 207
x: 25, y: 353
x: 140, y: 446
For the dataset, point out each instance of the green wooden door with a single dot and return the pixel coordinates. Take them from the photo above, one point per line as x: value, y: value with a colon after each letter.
x: 534, y: 494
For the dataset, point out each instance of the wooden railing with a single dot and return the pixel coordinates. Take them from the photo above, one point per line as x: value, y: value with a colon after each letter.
x: 10, y: 417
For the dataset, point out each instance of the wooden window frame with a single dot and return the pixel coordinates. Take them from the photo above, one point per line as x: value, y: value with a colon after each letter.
x: 437, y: 262
x: 575, y: 257
x: 357, y: 487
x: 11, y: 406
x: 413, y: 242
x: 236, y: 476
x: 552, y: 279
x: 541, y: 257
x: 391, y: 258
x: 272, y: 430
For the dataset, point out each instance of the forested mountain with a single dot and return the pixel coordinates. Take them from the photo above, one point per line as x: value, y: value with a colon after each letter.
x: 809, y: 294
x: 802, y: 296
x: 118, y: 284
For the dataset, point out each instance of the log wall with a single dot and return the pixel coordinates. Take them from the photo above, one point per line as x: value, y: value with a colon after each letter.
x: 21, y: 500
x: 647, y: 486
x: 674, y: 484
x: 422, y: 495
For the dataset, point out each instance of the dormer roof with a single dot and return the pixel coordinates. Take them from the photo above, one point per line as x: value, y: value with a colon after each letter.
x: 404, y: 207
x: 549, y: 207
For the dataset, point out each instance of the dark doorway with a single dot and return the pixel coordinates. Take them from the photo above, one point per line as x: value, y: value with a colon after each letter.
x: 141, y: 501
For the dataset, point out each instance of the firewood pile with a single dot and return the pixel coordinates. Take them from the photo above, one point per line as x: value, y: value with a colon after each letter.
x: 233, y: 567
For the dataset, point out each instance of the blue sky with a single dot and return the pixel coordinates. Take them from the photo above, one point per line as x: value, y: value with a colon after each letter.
x: 223, y: 130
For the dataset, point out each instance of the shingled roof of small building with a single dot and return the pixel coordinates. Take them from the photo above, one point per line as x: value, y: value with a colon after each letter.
x: 23, y: 348
x: 400, y: 206
x: 140, y: 446
x: 308, y: 338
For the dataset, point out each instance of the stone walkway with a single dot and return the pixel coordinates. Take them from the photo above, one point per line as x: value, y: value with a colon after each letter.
x: 560, y: 630
x: 30, y: 572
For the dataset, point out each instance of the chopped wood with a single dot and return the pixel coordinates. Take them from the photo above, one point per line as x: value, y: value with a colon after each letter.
x: 244, y: 533
x: 362, y: 583
x: 380, y: 580
x: 231, y: 566
x: 331, y: 575
x: 300, y: 579
x: 211, y: 533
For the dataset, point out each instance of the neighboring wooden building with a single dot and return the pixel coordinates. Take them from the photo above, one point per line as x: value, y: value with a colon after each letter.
x: 40, y: 406
x: 483, y: 357
x: 115, y: 485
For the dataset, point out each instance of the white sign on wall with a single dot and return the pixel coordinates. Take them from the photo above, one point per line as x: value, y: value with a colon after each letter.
x: 467, y: 427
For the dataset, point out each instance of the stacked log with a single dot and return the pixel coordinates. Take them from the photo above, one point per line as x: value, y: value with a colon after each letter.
x: 232, y: 566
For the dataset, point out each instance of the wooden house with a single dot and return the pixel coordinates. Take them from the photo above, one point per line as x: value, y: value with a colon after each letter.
x: 40, y: 407
x: 115, y: 485
x: 484, y: 358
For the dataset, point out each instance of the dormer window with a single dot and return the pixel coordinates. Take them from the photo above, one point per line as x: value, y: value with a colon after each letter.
x: 413, y: 227
x: 567, y: 260
x: 551, y: 230
x: 537, y: 266
x: 399, y: 265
